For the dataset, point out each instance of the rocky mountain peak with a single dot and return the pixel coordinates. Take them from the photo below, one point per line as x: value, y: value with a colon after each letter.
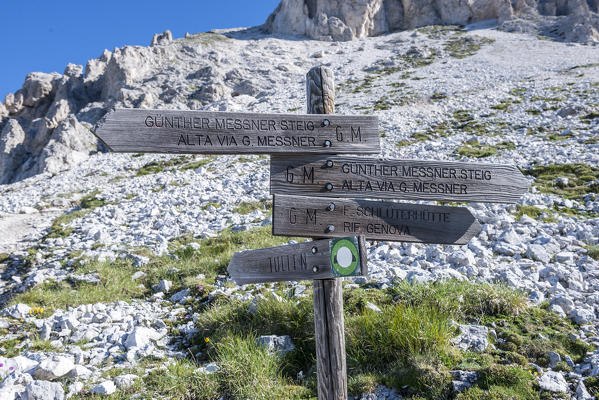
x: 337, y: 20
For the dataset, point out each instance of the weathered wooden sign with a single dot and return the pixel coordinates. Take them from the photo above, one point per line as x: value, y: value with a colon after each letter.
x: 340, y: 176
x: 321, y: 259
x: 376, y: 220
x: 200, y: 132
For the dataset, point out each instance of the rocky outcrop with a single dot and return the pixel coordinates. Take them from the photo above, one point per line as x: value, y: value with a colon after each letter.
x: 45, y: 125
x: 342, y: 20
x: 41, y: 132
x: 162, y: 38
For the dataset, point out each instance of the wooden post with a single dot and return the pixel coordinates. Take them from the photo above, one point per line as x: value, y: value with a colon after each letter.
x: 328, y: 297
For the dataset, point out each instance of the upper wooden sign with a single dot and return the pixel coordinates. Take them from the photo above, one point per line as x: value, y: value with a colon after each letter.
x: 321, y: 259
x: 376, y: 220
x: 200, y: 132
x: 357, y: 177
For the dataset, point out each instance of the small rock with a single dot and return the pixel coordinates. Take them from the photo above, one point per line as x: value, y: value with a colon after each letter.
x: 53, y: 368
x: 463, y: 380
x: 554, y: 358
x: 44, y: 390
x: 137, y: 275
x: 105, y: 388
x: 85, y: 278
x: 318, y: 54
x: 162, y: 38
x: 163, y: 286
x: 373, y: 307
x: 28, y: 210
x: 208, y: 368
x: 582, y: 393
x: 537, y: 252
x: 141, y: 336
x: 472, y: 337
x: 74, y: 388
x: 139, y: 261
x: 17, y: 311
x: 564, y: 257
x: 582, y: 316
x: 553, y: 382
x: 125, y: 381
x: 180, y: 295
x: 276, y: 344
x: 557, y: 309
x: 79, y: 371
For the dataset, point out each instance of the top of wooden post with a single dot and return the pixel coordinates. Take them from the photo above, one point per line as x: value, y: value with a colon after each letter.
x: 320, y: 91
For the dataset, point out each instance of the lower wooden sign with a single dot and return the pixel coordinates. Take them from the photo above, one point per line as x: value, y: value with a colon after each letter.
x: 321, y: 259
x: 376, y: 220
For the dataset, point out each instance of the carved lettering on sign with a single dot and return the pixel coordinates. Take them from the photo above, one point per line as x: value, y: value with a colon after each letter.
x: 377, y: 220
x: 192, y: 132
x: 396, y: 179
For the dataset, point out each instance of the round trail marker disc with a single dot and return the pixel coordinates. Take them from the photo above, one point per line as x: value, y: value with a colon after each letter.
x: 344, y: 257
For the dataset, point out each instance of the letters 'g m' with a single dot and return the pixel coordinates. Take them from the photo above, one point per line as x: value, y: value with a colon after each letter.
x: 292, y: 216
x: 339, y: 133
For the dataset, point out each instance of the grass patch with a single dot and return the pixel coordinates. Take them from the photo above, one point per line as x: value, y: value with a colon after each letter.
x: 580, y: 179
x: 197, y: 164
x: 208, y: 39
x: 157, y: 166
x: 211, y: 258
x: 465, y: 46
x: 247, y: 207
x: 592, y: 385
x: 502, y: 382
x: 477, y: 150
x: 116, y: 284
x: 504, y: 105
x: 593, y: 252
x: 249, y: 372
x: 590, y: 116
x: 59, y: 228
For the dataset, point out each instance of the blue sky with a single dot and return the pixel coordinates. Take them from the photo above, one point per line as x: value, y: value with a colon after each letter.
x: 46, y: 35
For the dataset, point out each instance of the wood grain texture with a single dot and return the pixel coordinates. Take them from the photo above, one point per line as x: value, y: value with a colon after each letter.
x: 330, y: 339
x: 321, y: 339
x: 283, y: 263
x: 294, y: 262
x: 328, y: 298
x: 360, y: 177
x: 200, y: 132
x: 376, y: 220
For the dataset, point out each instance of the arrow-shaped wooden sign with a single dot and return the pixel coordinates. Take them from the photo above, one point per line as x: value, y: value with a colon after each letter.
x: 321, y: 259
x: 357, y: 177
x: 201, y: 132
x: 376, y: 220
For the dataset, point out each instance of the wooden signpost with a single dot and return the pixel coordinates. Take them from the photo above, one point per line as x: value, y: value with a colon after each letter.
x: 376, y: 220
x: 201, y: 132
x: 321, y: 259
x: 341, y: 176
x: 304, y: 164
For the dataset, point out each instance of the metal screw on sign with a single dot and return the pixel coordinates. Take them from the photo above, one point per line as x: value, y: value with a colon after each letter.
x: 314, y: 250
x: 327, y: 143
x: 329, y: 163
x: 331, y: 228
x: 315, y: 269
x: 326, y: 122
x: 329, y: 186
x: 331, y: 207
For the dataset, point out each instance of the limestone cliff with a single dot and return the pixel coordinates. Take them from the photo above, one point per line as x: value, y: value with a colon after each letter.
x: 342, y: 20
